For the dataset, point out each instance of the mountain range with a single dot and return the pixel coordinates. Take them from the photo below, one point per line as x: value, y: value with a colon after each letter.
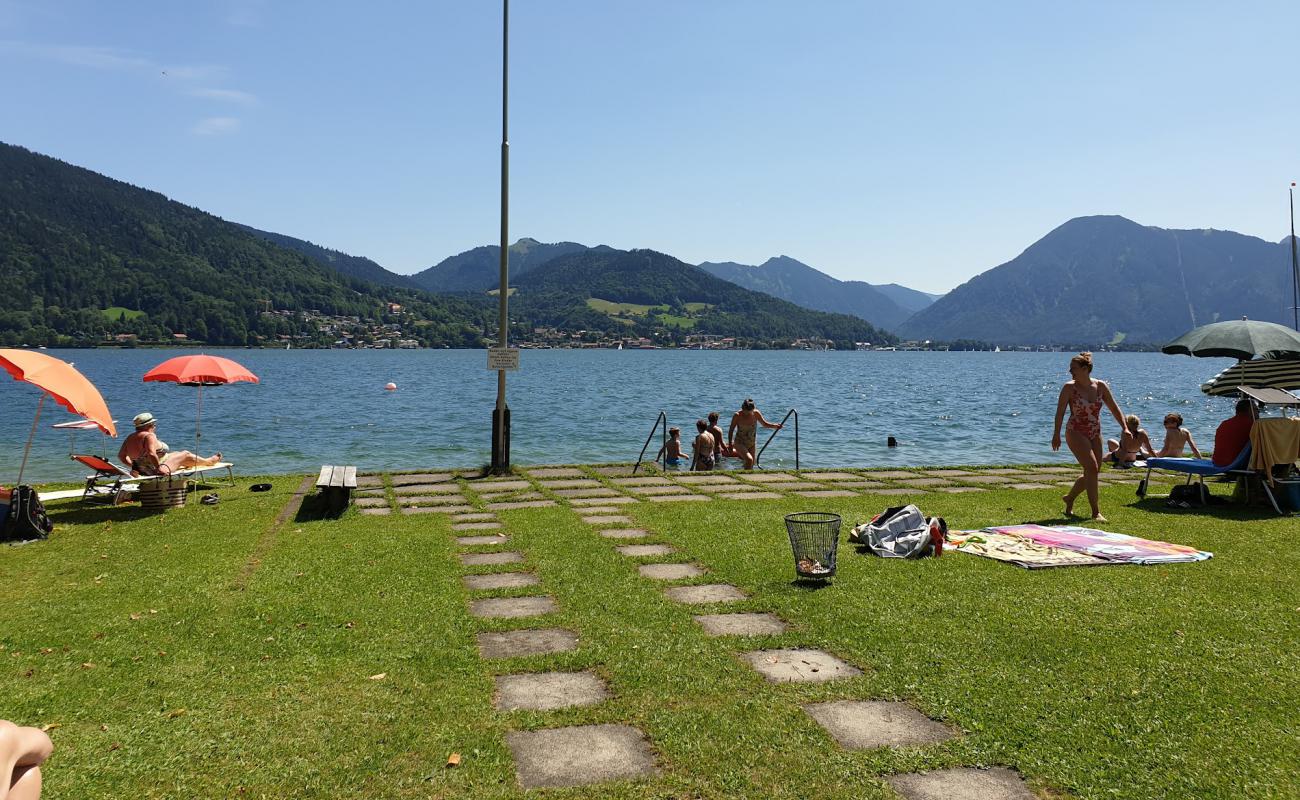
x: 1108, y: 279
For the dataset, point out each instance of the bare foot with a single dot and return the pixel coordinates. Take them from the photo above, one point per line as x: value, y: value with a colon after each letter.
x: 1099, y: 518
x: 1069, y: 505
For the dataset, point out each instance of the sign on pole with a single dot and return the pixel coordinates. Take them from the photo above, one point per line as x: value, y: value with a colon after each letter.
x: 500, y: 358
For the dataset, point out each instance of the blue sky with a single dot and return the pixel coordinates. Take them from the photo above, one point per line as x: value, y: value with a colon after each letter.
x: 920, y: 143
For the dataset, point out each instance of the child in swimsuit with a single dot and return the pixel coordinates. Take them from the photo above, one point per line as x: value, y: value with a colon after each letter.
x: 1133, y: 444
x: 672, y: 451
x: 703, y: 447
x: 1176, y: 438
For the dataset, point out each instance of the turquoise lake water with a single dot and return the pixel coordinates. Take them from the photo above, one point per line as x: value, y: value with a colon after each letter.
x: 329, y: 406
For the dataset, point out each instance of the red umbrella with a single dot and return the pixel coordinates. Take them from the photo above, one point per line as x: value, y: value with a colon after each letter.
x: 61, y: 381
x: 200, y: 370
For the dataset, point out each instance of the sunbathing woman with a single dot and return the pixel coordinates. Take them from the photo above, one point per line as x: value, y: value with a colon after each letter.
x: 1085, y: 397
x: 1176, y: 438
x: 144, y: 454
x: 1132, y: 445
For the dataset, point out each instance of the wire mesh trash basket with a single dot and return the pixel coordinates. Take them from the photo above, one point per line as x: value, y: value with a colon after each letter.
x: 815, y: 539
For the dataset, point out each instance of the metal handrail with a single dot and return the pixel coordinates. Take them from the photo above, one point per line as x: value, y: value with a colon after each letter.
x: 788, y: 414
x: 664, y: 418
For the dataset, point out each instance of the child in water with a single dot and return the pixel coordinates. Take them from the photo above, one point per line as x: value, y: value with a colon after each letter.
x: 1133, y: 444
x: 672, y: 451
x: 1176, y: 438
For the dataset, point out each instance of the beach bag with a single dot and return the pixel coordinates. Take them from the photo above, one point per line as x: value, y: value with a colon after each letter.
x: 27, y: 518
x: 1189, y: 495
x: 898, y: 532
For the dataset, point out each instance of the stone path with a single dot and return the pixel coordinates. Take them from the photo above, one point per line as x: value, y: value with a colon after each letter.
x: 605, y: 499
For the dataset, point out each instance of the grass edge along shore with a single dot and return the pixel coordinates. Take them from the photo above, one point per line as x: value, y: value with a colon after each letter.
x: 210, y: 652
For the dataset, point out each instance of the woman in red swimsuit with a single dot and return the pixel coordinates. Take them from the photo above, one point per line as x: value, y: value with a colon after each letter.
x: 1085, y: 398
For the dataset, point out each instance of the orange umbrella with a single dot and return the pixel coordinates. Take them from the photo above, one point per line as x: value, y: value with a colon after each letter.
x: 200, y: 370
x: 61, y: 381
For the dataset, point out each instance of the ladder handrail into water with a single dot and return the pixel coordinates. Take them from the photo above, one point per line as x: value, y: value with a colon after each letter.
x: 788, y: 414
x: 662, y: 417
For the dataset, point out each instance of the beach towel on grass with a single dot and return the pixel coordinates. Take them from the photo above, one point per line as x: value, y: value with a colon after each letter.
x: 1037, y: 546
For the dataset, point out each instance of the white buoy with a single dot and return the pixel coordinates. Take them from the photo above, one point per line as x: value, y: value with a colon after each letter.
x: 390, y: 387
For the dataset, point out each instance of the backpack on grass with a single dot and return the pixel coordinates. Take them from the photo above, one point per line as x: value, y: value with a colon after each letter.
x: 26, y: 519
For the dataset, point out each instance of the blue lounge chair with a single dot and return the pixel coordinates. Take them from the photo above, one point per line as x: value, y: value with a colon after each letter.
x: 1201, y: 468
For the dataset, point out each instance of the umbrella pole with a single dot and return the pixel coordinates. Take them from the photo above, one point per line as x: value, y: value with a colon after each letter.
x: 198, y: 422
x: 30, y: 436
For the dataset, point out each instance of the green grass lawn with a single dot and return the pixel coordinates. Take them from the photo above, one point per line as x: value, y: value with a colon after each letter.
x: 208, y: 653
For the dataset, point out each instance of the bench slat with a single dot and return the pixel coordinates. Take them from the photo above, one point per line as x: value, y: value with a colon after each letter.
x: 326, y: 472
x: 350, y: 477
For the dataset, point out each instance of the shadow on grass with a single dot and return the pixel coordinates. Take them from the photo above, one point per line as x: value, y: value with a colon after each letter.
x: 316, y: 507
x: 91, y: 514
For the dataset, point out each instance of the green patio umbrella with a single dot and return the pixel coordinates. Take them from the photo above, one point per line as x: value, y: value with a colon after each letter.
x: 1242, y: 339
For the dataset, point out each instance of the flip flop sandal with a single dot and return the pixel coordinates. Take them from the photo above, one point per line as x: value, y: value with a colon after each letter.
x: 260, y: 487
x: 210, y: 500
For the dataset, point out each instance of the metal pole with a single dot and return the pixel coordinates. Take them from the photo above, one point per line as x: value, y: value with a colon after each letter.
x: 1295, y: 269
x: 30, y: 436
x: 501, y: 414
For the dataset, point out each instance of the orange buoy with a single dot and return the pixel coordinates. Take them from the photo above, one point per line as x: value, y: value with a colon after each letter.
x: 390, y: 387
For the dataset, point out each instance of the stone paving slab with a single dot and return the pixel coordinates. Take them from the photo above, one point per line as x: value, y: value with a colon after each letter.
x: 769, y: 477
x: 1057, y: 470
x: 474, y: 516
x: 482, y: 559
x: 799, y: 666
x: 830, y: 476
x: 510, y: 506
x: 924, y: 482
x: 499, y: 486
x: 600, y: 509
x: 482, y: 540
x: 369, y: 490
x: 962, y: 783
x: 418, y: 477
x: 432, y: 500
x: 607, y: 519
x: 475, y: 526
x: 583, y: 502
x: 376, y: 512
x: 708, y: 593
x: 1002, y: 471
x: 987, y: 479
x: 676, y: 498
x: 787, y: 486
x: 756, y: 624
x: 867, y: 725
x: 370, y: 502
x: 962, y: 489
x: 529, y: 642
x: 600, y: 491
x: 1026, y: 486
x: 579, y: 755
x: 511, y: 607
x: 646, y: 480
x: 436, y: 509
x: 1052, y: 478
x: 760, y: 495
x: 544, y: 691
x: 947, y: 473
x: 625, y: 533
x: 556, y: 472
x: 694, y: 480
x: 637, y: 550
x: 827, y: 493
x: 499, y: 580
x: 898, y: 492
x: 669, y: 572
x: 370, y: 480
x: 428, y: 488
x: 573, y: 483
x: 860, y: 484
x: 889, y: 474
x: 644, y: 491
x: 617, y: 470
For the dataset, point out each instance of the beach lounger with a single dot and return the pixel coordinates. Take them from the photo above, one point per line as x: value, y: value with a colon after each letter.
x: 1201, y: 468
x: 110, y: 479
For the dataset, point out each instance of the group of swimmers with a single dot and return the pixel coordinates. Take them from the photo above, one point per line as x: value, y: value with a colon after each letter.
x: 708, y: 448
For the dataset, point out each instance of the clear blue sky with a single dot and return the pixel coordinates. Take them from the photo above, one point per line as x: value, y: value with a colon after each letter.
x: 913, y: 142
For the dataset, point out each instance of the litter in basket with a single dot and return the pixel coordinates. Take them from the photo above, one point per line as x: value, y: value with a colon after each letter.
x: 814, y: 538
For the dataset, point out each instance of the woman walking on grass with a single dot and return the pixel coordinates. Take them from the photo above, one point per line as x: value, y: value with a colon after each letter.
x: 1085, y: 397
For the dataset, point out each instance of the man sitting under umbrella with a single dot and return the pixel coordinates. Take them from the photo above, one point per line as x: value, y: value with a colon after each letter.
x: 1233, y: 434
x: 145, y: 454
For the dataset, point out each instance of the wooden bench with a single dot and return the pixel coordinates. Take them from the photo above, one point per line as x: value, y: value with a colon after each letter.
x: 336, y: 484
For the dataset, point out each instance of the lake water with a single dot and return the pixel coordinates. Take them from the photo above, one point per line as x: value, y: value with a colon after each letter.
x: 314, y: 407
